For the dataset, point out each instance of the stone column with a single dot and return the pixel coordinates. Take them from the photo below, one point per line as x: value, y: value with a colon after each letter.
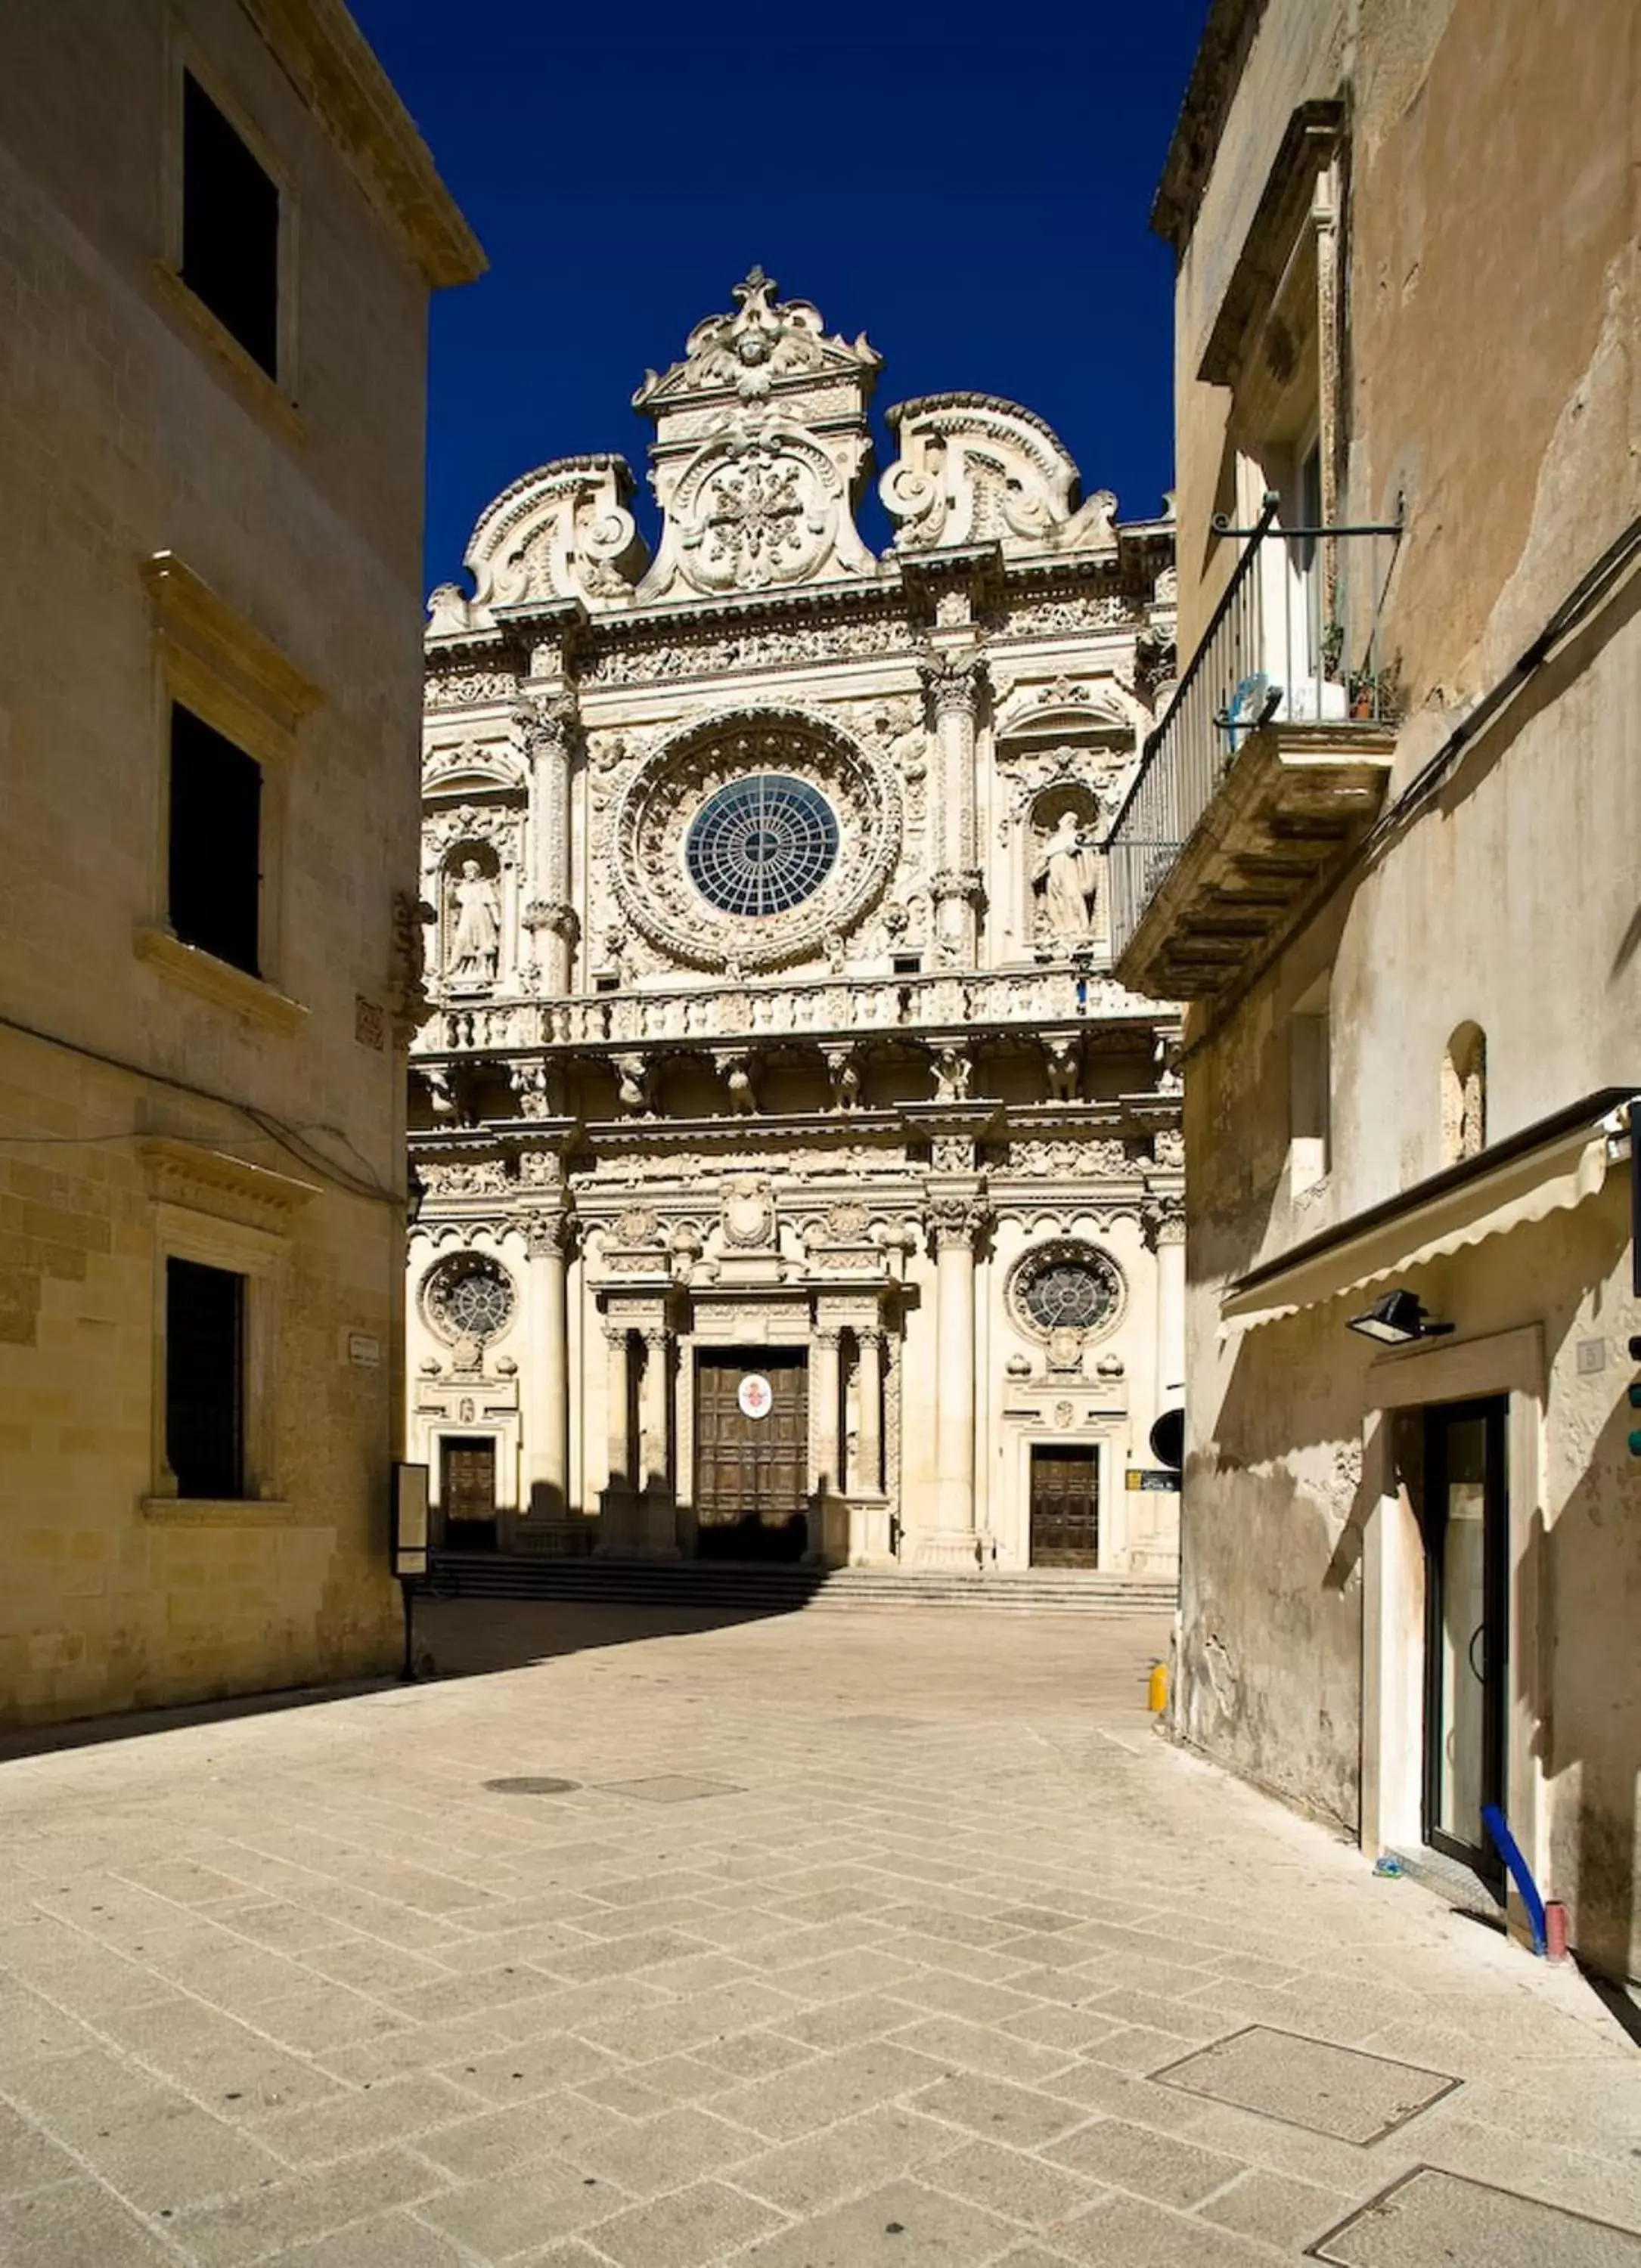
x: 615, y: 1525
x: 653, y: 1428
x: 1166, y: 1224
x: 956, y: 683
x: 869, y: 1387
x: 550, y: 913
x: 955, y: 1219
x: 545, y: 1377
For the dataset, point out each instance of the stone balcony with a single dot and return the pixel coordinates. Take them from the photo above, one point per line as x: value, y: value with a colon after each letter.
x: 1267, y: 769
x: 835, y: 1009
x: 1288, y: 813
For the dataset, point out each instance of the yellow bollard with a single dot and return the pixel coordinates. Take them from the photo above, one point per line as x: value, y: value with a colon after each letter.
x: 1157, y: 1691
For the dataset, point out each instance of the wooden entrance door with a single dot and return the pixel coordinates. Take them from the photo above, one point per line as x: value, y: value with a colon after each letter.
x: 1065, y: 1507
x: 752, y: 1469
x: 466, y: 1495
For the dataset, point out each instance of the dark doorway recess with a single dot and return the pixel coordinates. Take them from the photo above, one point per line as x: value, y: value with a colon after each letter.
x: 1467, y: 1527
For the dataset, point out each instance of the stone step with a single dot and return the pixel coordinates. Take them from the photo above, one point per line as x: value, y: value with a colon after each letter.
x: 781, y: 1589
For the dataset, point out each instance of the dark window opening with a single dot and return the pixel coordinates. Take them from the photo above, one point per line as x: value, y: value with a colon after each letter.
x: 606, y: 984
x: 205, y: 1379
x: 907, y: 964
x: 230, y: 228
x: 216, y: 842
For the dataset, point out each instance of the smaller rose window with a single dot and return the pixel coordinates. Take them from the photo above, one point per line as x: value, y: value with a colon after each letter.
x: 1068, y: 1286
x: 468, y: 1296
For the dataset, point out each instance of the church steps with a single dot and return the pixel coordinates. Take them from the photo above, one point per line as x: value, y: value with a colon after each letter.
x: 688, y: 1584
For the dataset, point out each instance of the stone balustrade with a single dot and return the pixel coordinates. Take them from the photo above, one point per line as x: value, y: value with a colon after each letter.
x: 829, y: 1008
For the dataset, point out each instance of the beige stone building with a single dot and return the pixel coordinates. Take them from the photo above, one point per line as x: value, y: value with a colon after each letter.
x: 798, y: 1181
x: 1383, y: 845
x: 219, y: 232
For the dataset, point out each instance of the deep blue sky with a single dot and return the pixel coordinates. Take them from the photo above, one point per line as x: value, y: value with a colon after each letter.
x: 971, y: 189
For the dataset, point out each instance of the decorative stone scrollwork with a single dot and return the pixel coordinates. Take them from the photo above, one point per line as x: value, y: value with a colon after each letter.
x: 1066, y: 1286
x: 1164, y: 1221
x: 562, y: 532
x: 637, y: 1225
x: 953, y: 1218
x: 976, y: 469
x: 548, y: 1234
x: 954, y: 682
x: 747, y: 1213
x: 654, y: 817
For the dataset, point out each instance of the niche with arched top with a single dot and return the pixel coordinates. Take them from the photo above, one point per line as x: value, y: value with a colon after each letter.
x: 1065, y: 869
x: 472, y: 916
x: 1464, y: 1096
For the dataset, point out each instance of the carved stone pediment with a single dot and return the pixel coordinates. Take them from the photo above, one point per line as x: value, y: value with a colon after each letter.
x: 975, y: 469
x: 766, y: 347
x: 563, y: 532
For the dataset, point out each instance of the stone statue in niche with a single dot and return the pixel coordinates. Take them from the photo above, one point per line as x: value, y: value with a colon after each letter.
x: 1066, y: 877
x: 475, y: 931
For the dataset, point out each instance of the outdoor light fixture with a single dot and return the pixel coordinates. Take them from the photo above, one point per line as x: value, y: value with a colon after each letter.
x: 1397, y: 1320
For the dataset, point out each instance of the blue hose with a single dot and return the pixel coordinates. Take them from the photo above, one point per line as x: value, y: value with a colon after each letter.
x: 1510, y: 1850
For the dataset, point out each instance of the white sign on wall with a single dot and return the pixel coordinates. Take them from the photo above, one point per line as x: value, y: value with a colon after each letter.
x: 755, y: 1395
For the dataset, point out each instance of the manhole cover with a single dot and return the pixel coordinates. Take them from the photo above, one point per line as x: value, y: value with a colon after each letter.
x: 529, y: 1787
x: 1310, y: 2083
x: 1435, y: 2216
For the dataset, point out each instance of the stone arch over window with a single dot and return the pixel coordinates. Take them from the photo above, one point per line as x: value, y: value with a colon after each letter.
x: 1065, y: 868
x: 1464, y: 1096
x: 472, y: 925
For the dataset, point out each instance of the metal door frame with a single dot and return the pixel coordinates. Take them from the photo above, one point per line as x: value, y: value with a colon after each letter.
x: 1494, y: 1411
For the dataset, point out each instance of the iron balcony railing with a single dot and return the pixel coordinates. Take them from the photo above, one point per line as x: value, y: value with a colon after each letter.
x: 1295, y: 640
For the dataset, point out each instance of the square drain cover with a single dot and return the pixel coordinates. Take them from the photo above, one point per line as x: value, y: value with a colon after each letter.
x: 1309, y: 2083
x: 1429, y: 2216
x: 669, y: 1787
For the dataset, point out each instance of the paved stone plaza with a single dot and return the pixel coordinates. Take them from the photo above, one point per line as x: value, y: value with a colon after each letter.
x: 814, y: 1942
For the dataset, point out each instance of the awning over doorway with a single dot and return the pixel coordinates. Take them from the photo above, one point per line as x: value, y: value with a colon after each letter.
x: 1548, y: 1167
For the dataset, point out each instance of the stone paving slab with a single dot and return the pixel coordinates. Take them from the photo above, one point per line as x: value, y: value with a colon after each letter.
x: 1310, y: 2083
x: 930, y: 1952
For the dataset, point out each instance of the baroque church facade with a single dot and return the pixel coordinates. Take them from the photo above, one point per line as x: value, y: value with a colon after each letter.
x: 796, y: 1181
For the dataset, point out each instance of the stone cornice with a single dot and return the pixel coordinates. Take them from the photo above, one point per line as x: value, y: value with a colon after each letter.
x: 331, y: 64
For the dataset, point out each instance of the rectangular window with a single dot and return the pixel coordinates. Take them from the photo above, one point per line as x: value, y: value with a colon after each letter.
x: 230, y: 228
x: 205, y: 1379
x: 1310, y: 1084
x: 215, y: 886
x: 907, y: 964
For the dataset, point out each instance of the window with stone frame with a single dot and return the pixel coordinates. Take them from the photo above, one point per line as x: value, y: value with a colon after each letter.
x: 230, y: 221
x: 214, y: 869
x: 204, y: 1379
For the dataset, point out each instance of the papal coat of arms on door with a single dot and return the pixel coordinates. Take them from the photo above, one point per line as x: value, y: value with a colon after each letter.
x: 755, y: 1395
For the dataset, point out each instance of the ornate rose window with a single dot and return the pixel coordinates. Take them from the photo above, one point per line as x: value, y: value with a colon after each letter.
x: 1066, y: 1286
x: 750, y: 839
x: 467, y: 1296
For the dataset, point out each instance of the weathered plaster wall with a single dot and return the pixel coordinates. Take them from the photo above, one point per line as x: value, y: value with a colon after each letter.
x: 1490, y: 380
